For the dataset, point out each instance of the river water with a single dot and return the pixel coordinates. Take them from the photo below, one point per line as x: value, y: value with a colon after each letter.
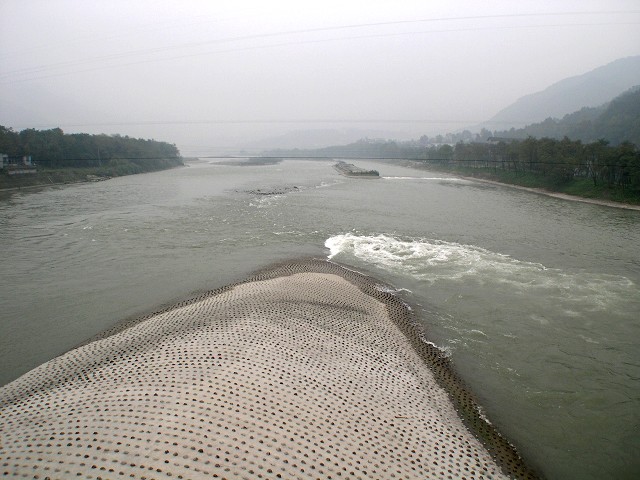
x: 535, y: 299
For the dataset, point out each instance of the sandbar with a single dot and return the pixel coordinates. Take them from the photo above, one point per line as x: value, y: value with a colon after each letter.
x: 304, y: 370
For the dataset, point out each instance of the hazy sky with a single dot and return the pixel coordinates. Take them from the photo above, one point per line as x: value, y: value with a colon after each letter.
x: 208, y: 74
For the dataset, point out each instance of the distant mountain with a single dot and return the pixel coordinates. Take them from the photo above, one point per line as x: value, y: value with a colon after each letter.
x: 570, y: 95
x: 616, y: 121
x: 318, y: 138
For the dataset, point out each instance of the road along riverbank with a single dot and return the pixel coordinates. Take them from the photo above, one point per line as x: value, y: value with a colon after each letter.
x: 305, y: 370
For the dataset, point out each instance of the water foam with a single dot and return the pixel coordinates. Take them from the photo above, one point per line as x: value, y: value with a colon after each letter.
x: 414, y: 255
x: 437, y: 260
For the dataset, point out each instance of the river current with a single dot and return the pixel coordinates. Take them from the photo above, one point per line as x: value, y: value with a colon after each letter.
x: 535, y: 299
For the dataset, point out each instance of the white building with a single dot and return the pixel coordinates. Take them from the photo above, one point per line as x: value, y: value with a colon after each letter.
x: 17, y: 165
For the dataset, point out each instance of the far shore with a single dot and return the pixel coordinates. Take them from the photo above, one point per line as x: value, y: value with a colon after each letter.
x: 539, y: 191
x: 563, y: 196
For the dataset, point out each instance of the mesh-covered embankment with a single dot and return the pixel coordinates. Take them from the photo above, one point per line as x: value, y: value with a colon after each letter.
x: 306, y: 370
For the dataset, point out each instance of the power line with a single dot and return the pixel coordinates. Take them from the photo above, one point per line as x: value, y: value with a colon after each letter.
x: 280, y: 121
x: 43, y: 69
x: 312, y: 157
x: 116, y: 56
x: 257, y: 122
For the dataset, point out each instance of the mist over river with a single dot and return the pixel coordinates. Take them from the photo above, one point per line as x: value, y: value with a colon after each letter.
x: 535, y: 299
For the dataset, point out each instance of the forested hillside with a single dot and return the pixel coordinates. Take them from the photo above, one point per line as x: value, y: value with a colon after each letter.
x: 617, y: 121
x: 111, y: 154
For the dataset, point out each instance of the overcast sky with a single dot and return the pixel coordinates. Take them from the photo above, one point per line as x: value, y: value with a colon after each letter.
x: 210, y: 74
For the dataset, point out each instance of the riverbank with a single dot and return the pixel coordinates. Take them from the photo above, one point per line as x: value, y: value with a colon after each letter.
x: 563, y: 196
x: 47, y: 178
x: 527, y: 183
x: 67, y: 176
x: 306, y: 369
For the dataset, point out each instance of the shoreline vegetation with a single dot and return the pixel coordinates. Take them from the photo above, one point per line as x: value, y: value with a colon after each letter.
x: 595, y: 171
x: 533, y: 185
x: 61, y: 158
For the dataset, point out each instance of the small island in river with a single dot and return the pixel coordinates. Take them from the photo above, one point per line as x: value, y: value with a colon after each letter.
x: 350, y: 170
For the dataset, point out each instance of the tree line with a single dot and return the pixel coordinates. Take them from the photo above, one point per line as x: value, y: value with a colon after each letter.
x: 116, y: 153
x: 554, y: 162
x: 557, y: 161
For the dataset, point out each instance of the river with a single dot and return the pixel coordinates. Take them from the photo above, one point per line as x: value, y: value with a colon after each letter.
x: 536, y: 299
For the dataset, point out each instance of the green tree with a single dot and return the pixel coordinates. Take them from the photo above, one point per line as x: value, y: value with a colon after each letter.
x: 595, y: 159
